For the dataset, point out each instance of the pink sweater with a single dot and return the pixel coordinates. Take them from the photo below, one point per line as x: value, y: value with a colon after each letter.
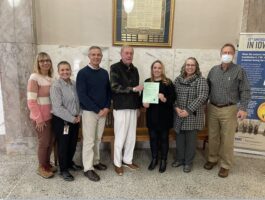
x: 38, y: 96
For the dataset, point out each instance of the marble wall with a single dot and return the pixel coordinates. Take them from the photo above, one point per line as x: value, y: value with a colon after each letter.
x: 17, y: 50
x: 2, y: 121
x: 143, y: 58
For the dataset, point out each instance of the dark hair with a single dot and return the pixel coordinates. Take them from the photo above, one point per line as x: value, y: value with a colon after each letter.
x: 197, y: 71
x: 228, y: 45
x: 63, y: 63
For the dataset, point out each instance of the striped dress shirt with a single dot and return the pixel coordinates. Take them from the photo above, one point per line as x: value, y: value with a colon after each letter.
x: 229, y: 87
x: 38, y: 97
x: 65, y: 103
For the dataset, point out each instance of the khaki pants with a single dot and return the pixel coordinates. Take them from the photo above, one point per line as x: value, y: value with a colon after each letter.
x: 92, y: 128
x: 222, y: 124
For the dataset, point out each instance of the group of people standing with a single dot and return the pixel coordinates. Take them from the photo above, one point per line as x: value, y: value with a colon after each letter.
x: 58, y: 107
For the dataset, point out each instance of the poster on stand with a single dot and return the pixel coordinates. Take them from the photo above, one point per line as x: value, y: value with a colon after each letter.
x: 250, y: 135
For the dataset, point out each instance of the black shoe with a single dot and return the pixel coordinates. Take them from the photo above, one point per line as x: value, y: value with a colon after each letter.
x: 100, y: 166
x: 209, y: 165
x: 187, y: 168
x: 66, y: 176
x: 163, y: 166
x: 75, y: 167
x: 177, y: 163
x: 92, y: 175
x: 153, y: 164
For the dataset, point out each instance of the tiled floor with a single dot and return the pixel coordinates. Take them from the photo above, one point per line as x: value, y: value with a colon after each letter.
x: 18, y: 179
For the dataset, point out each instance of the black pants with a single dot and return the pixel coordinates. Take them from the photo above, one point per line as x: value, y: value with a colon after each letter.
x: 66, y: 144
x: 186, y: 146
x: 159, y: 140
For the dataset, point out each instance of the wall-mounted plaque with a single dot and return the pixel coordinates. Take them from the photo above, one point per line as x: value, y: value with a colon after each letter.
x: 144, y: 23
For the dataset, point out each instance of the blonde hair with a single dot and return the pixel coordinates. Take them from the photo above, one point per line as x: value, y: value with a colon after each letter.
x: 163, y: 75
x: 36, y: 67
x: 197, y: 71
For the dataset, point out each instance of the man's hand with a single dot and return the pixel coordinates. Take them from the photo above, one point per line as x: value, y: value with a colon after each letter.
x: 241, y: 114
x: 103, y: 113
x: 138, y: 88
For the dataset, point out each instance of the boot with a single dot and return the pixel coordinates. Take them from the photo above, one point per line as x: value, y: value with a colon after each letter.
x: 163, y: 166
x: 153, y: 164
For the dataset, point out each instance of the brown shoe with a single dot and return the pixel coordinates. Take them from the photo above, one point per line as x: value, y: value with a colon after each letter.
x: 52, y: 168
x: 209, y: 165
x: 223, y: 172
x: 100, y: 166
x: 118, y: 170
x: 44, y: 172
x: 132, y: 166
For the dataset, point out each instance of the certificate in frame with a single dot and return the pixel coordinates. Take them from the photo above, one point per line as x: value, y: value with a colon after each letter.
x: 150, y: 23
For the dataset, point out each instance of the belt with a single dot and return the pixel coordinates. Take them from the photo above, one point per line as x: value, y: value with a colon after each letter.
x: 222, y: 105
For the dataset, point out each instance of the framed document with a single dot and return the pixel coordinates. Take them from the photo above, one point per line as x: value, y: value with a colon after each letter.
x: 145, y: 23
x: 150, y: 93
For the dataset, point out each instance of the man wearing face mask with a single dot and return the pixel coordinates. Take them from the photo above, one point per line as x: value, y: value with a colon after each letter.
x: 229, y: 97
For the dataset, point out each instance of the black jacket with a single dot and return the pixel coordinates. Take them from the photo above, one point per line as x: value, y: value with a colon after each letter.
x: 123, y: 78
x: 160, y: 116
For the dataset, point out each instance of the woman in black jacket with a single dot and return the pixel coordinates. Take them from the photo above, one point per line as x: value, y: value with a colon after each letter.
x: 159, y: 116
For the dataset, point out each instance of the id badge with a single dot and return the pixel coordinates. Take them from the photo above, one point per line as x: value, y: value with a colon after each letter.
x: 66, y: 129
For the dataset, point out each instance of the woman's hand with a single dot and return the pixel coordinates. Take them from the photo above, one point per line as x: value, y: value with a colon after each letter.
x: 40, y: 126
x: 146, y: 105
x: 162, y: 97
x: 183, y: 113
x: 77, y: 119
x: 178, y: 110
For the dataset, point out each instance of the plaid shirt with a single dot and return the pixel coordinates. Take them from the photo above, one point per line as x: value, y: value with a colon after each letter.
x: 191, y: 94
x: 229, y: 87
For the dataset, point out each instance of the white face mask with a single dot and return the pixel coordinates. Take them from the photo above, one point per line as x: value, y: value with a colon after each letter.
x: 226, y: 58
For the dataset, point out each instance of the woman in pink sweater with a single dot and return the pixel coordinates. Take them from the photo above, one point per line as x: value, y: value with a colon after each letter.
x: 38, y: 96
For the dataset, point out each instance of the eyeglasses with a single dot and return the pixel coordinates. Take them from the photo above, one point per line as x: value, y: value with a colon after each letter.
x: 44, y: 61
x: 190, y: 65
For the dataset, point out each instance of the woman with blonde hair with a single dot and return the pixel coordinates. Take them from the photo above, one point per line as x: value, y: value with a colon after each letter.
x: 191, y: 91
x: 38, y: 98
x: 159, y: 117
